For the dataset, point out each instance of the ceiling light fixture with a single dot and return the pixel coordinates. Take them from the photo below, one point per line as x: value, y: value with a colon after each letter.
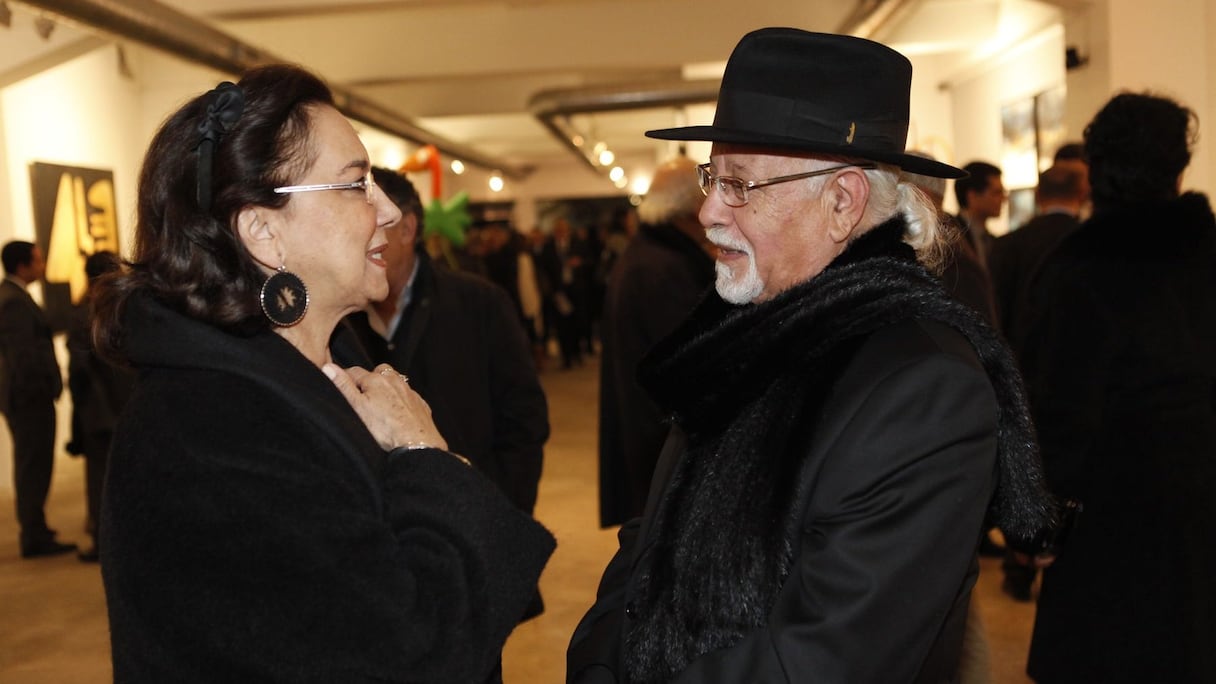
x: 457, y: 167
x: 496, y: 183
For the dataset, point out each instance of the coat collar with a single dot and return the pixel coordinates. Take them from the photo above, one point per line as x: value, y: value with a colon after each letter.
x: 157, y: 337
x: 1175, y: 228
x: 710, y: 365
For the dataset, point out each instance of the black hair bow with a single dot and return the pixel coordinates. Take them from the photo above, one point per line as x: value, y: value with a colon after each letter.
x: 224, y: 106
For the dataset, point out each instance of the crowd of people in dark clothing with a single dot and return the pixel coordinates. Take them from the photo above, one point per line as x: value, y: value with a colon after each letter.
x: 1102, y: 301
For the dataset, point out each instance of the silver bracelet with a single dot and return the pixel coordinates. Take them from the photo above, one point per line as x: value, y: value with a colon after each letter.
x: 414, y: 446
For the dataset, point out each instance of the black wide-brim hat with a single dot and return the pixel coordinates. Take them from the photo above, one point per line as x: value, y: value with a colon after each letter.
x: 795, y: 90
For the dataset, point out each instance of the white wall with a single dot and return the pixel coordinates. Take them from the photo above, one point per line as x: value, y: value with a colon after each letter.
x: 81, y: 113
x: 979, y: 92
x: 1166, y: 46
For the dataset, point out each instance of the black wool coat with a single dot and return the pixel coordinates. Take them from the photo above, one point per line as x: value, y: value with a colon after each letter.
x: 28, y: 369
x: 654, y: 285
x: 254, y: 531
x: 1122, y: 372
x: 461, y: 343
x: 815, y: 516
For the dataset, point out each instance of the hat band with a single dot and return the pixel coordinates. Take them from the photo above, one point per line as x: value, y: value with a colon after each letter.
x: 776, y: 116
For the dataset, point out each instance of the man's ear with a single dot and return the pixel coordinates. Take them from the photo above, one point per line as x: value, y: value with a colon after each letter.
x: 846, y: 197
x: 409, y: 228
x: 255, y: 226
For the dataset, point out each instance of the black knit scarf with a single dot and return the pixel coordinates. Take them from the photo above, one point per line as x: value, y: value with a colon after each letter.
x: 745, y: 384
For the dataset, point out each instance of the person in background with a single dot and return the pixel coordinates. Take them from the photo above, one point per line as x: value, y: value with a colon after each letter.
x: 658, y: 279
x: 509, y: 265
x: 1015, y: 263
x: 565, y: 263
x: 269, y: 515
x: 1121, y: 370
x: 1072, y: 156
x: 841, y: 427
x: 99, y: 391
x: 980, y: 196
x: 1018, y: 256
x: 458, y: 338
x: 30, y: 382
x: 963, y: 274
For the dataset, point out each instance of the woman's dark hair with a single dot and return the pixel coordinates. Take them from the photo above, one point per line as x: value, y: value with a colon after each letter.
x: 1137, y: 146
x: 187, y: 252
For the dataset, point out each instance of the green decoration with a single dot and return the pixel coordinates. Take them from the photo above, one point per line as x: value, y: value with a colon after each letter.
x: 448, y: 220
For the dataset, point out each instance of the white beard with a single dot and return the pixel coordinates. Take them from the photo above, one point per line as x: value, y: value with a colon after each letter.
x: 736, y: 288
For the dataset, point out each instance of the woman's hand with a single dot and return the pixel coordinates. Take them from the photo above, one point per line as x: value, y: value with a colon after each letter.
x: 392, y: 411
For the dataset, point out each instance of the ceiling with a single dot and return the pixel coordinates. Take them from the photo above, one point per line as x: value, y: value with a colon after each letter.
x: 503, y: 77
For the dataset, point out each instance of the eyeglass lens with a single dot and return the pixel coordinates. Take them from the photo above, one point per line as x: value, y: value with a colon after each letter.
x: 733, y: 192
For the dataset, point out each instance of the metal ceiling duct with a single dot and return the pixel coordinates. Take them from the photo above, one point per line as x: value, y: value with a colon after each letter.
x: 553, y: 108
x: 164, y: 28
x: 870, y: 16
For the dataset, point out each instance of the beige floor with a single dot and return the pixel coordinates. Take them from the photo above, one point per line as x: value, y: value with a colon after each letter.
x: 52, y: 611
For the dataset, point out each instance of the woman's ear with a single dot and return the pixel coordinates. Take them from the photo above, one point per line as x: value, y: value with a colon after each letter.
x: 847, y: 197
x: 255, y: 228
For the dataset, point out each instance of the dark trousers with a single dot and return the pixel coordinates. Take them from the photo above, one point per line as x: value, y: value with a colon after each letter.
x: 32, y: 424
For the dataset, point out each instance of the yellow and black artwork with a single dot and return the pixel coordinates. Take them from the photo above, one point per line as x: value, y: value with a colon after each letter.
x: 74, y: 217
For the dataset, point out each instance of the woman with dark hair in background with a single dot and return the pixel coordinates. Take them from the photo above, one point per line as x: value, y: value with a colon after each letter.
x: 1121, y: 371
x: 270, y: 516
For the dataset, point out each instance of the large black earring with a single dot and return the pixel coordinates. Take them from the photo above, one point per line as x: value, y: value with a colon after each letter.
x: 284, y: 298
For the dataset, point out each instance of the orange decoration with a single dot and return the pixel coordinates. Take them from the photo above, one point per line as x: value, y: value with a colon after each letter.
x: 426, y: 158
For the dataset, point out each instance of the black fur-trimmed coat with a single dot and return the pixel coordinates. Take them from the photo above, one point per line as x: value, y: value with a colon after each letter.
x: 1122, y: 372
x: 816, y: 515
x: 254, y: 531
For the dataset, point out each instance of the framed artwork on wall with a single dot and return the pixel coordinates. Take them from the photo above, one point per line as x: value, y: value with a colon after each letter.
x: 1032, y: 129
x: 74, y: 217
x: 1051, y: 132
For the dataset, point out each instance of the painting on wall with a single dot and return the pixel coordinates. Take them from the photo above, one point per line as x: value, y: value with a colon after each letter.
x: 1049, y: 124
x: 1021, y: 207
x: 1019, y: 145
x: 1032, y: 130
x: 74, y: 217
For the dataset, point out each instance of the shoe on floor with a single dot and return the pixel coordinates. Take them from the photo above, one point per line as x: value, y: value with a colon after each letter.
x: 50, y: 547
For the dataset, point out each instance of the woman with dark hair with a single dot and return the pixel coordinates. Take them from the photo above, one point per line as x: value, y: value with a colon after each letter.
x: 1122, y: 374
x: 268, y: 515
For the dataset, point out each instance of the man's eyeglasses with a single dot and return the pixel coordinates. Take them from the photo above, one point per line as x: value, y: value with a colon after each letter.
x: 734, y: 190
x: 367, y: 184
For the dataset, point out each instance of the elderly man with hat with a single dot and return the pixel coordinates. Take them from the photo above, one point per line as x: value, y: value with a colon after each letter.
x: 842, y: 429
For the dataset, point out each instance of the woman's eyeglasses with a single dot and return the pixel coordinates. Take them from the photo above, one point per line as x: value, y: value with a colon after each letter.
x: 367, y: 184
x: 734, y: 190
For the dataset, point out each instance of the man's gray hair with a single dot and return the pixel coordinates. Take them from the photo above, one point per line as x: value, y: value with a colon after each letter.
x: 673, y: 192
x: 892, y: 194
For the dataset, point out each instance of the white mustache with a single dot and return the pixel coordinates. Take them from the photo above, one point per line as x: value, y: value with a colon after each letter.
x: 722, y: 238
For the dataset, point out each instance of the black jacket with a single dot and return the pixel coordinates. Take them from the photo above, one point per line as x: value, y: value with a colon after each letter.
x: 461, y: 343
x: 253, y: 529
x: 1015, y: 263
x: 654, y: 285
x: 28, y: 369
x: 1122, y: 370
x: 816, y: 515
